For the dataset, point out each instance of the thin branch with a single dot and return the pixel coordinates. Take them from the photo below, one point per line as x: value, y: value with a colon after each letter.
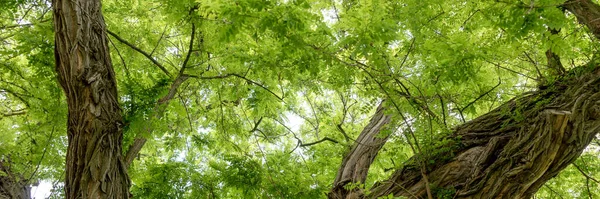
x: 510, y: 70
x: 238, y: 76
x: 14, y: 113
x: 140, y: 51
x: 553, y: 191
x: 317, y: 142
x: 585, y: 174
x: 43, y: 155
x: 23, y: 25
x: 256, y: 125
x: 162, y: 35
x: 481, y: 96
x: 469, y: 18
x: 537, y: 69
x: 187, y: 57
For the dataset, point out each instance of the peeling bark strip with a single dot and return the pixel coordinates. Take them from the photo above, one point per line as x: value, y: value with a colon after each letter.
x: 94, y: 167
x: 356, y: 163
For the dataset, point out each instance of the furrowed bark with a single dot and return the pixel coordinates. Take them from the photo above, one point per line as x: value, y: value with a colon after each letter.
x: 513, y: 150
x: 94, y: 167
x: 356, y: 163
x: 12, y: 186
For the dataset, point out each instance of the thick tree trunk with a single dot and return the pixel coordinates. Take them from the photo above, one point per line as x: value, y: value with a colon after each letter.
x: 94, y: 167
x: 511, y: 151
x: 12, y: 186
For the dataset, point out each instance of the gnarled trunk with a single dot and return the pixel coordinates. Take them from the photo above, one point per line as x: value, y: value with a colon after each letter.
x: 511, y: 151
x: 94, y: 167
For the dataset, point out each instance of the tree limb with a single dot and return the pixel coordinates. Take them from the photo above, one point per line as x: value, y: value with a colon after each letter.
x: 317, y: 142
x: 356, y: 163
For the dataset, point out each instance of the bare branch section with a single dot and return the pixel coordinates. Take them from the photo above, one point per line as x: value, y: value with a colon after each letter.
x: 356, y: 163
x: 139, y: 141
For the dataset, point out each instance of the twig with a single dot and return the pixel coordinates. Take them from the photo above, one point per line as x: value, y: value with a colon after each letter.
x: 481, y: 96
x: 585, y: 174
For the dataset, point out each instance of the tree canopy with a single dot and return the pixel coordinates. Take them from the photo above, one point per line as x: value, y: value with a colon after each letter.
x: 266, y: 98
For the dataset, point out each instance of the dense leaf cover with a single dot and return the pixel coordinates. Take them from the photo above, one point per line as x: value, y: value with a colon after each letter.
x: 262, y: 99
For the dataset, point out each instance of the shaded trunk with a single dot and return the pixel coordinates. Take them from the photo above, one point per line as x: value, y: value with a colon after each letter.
x: 511, y: 151
x: 12, y: 186
x: 94, y: 167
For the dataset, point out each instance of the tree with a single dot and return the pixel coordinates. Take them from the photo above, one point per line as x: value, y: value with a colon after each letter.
x: 94, y: 167
x: 509, y: 152
x: 301, y: 98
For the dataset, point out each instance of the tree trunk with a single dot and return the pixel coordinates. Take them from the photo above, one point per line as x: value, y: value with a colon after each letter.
x: 94, y: 167
x: 511, y: 151
x: 12, y: 186
x: 356, y: 163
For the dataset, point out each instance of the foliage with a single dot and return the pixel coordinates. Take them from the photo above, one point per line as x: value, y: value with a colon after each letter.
x: 266, y: 78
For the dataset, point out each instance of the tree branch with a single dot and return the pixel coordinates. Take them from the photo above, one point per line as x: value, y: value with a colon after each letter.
x: 585, y: 174
x: 317, y: 142
x: 356, y: 163
x: 139, y: 141
x: 140, y: 51
x: 238, y: 76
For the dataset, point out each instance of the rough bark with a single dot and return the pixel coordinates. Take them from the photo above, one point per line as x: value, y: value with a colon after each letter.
x: 513, y: 150
x: 356, y: 163
x: 94, y: 167
x: 509, y: 152
x: 12, y: 186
